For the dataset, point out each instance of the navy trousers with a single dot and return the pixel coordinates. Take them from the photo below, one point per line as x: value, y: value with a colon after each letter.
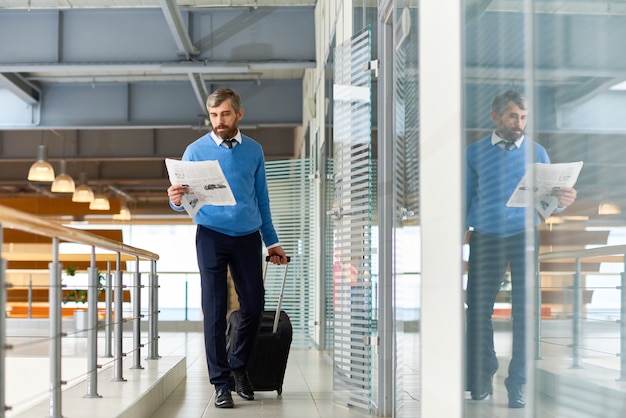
x: 488, y: 260
x: 216, y: 252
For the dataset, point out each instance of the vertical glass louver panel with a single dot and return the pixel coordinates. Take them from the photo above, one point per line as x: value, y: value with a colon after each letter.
x: 352, y: 212
x: 407, y: 122
x: 329, y: 283
x: 406, y: 277
x: 291, y: 199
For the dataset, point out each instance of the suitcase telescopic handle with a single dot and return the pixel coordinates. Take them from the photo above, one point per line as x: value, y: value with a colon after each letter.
x: 282, y: 291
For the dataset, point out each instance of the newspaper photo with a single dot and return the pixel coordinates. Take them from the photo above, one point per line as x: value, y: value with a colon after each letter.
x: 547, y: 177
x: 205, y: 182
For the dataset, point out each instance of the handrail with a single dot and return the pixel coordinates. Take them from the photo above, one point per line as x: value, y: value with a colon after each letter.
x: 30, y: 223
x: 577, y: 288
x: 586, y: 253
x: 12, y: 218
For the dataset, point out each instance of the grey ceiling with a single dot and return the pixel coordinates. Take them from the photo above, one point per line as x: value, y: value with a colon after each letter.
x: 115, y: 90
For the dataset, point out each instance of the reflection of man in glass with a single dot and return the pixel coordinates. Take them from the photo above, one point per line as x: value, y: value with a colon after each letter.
x: 494, y: 167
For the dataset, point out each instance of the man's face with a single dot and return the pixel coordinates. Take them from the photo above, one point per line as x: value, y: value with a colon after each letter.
x: 224, y: 119
x: 511, y: 124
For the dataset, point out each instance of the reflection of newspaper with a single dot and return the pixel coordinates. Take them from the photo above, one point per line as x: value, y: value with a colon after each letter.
x: 205, y: 181
x: 547, y: 177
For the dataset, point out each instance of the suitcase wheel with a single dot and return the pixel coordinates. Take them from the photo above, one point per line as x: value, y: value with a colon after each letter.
x: 280, y: 390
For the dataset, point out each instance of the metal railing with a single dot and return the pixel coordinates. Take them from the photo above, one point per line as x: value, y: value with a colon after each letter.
x: 11, y: 218
x: 577, y: 300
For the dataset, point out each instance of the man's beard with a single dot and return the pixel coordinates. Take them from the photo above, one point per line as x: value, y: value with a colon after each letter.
x: 510, y: 135
x: 227, y: 134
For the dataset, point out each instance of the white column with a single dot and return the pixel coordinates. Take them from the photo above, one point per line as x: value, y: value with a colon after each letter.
x: 441, y: 192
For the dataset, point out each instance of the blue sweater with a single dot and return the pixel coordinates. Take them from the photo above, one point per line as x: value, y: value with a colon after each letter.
x: 244, y: 168
x: 492, y: 173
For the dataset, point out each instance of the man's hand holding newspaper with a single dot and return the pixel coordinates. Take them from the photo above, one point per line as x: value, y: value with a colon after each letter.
x: 205, y: 183
x: 540, y: 182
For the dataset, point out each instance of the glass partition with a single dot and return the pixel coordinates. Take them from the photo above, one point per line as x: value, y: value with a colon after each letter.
x: 561, y: 59
x: 405, y: 222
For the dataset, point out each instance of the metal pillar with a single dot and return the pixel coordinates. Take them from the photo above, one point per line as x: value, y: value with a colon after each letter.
x: 622, y: 326
x: 137, y: 318
x: 153, y: 308
x: 3, y: 333
x: 55, y: 331
x: 92, y: 329
x: 538, y: 312
x: 577, y: 319
x: 118, y: 325
x: 30, y: 298
x: 108, y: 316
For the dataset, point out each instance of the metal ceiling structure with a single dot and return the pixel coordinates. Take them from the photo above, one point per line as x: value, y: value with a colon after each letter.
x: 115, y: 89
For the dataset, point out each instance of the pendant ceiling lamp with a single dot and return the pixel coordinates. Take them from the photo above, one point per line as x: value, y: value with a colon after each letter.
x: 83, y: 192
x: 100, y: 202
x: 124, y: 214
x: 41, y: 170
x: 609, y: 208
x: 63, y: 183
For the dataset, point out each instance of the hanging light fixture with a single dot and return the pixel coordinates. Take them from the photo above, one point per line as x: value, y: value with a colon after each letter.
x: 83, y: 192
x: 41, y: 170
x: 124, y: 214
x: 100, y: 202
x: 609, y: 208
x: 63, y: 183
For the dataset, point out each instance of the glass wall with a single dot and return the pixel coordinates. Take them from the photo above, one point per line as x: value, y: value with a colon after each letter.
x: 544, y: 281
x: 405, y: 223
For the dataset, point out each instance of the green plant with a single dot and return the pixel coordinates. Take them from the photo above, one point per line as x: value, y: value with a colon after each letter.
x: 74, y: 295
x: 79, y: 295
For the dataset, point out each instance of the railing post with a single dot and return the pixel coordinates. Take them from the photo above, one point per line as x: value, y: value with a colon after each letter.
x: 55, y: 331
x: 538, y: 314
x: 3, y: 331
x: 186, y: 297
x: 622, y: 325
x: 108, y: 315
x: 92, y: 328
x: 119, y: 323
x: 137, y: 318
x: 30, y: 298
x: 577, y: 321
x: 153, y: 332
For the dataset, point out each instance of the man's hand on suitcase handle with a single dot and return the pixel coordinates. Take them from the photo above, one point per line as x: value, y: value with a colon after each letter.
x: 277, y: 256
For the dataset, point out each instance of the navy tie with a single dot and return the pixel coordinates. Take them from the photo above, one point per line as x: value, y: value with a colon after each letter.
x: 508, y: 145
x: 229, y: 143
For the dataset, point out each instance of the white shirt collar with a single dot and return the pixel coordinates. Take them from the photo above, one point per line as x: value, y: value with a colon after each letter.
x: 218, y: 140
x: 495, y: 140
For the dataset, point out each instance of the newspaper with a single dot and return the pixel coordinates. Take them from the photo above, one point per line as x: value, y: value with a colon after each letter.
x: 547, y: 177
x: 205, y: 182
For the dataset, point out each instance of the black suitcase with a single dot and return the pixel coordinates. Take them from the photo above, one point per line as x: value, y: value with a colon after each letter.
x: 268, y: 361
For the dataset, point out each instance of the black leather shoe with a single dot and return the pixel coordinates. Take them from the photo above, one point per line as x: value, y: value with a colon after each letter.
x: 516, y: 398
x: 223, y: 399
x: 243, y: 387
x: 484, y: 387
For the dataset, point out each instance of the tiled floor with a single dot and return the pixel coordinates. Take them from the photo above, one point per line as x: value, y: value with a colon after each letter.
x: 308, y: 387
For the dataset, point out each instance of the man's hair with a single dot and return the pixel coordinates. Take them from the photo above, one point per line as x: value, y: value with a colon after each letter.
x: 501, y: 102
x: 220, y: 95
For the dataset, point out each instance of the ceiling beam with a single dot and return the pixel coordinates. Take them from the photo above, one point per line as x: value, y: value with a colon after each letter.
x: 177, y: 27
x: 21, y: 87
x: 162, y: 67
x: 199, y: 89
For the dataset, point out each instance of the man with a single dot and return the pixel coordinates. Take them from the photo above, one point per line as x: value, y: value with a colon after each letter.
x: 494, y: 167
x: 230, y: 236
